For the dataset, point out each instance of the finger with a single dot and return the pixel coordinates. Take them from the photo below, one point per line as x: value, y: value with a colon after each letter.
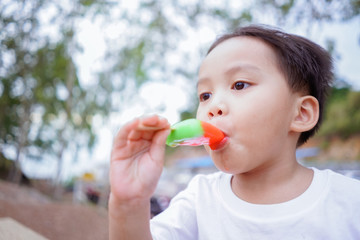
x: 131, y: 131
x: 148, y: 135
x: 157, y: 149
x: 143, y: 127
x: 135, y: 135
x: 143, y: 134
x: 150, y: 121
x: 148, y: 126
x: 153, y: 123
x: 164, y: 122
x: 122, y: 136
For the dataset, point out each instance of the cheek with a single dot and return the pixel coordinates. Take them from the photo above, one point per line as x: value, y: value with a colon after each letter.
x: 198, y: 112
x: 273, y: 122
x: 201, y: 113
x: 261, y: 121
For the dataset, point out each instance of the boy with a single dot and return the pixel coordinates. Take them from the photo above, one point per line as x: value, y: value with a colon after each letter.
x: 265, y: 90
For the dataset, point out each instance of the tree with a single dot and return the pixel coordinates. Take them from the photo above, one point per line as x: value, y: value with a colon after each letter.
x: 342, y: 115
x: 162, y: 40
x: 45, y: 109
x: 309, y: 12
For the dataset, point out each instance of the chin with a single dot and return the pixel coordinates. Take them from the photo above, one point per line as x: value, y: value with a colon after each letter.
x: 225, y: 170
x: 222, y: 163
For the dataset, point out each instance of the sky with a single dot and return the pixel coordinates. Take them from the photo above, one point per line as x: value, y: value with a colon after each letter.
x: 173, y: 97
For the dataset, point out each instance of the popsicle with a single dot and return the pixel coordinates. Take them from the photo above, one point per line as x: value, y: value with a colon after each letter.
x: 193, y: 132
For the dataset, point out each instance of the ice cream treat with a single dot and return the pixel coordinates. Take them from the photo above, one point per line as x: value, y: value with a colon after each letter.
x: 193, y: 132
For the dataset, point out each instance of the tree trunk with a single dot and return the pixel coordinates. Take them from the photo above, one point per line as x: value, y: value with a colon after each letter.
x: 16, y: 172
x: 58, y: 189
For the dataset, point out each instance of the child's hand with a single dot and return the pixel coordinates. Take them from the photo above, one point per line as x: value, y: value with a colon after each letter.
x: 137, y: 159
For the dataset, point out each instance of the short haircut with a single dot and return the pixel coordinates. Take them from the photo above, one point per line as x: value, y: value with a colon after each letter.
x: 306, y: 66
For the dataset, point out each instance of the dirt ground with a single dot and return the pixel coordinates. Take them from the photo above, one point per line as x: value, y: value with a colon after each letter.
x: 50, y: 219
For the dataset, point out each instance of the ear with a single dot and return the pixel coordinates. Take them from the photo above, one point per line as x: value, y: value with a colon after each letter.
x: 306, y: 114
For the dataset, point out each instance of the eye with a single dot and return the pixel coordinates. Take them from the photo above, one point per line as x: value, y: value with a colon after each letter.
x: 204, y: 96
x: 240, y: 85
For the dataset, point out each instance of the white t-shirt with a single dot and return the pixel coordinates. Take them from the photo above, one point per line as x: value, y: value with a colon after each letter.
x: 208, y: 209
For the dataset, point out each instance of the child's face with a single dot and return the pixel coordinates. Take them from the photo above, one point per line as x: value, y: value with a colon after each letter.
x: 243, y: 92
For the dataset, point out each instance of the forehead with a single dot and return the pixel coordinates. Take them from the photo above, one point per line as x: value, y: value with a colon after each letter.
x: 247, y: 52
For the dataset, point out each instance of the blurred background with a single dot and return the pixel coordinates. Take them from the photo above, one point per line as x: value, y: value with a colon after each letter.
x: 73, y: 72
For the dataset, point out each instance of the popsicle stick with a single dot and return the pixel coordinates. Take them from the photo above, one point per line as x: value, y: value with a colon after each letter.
x: 143, y: 127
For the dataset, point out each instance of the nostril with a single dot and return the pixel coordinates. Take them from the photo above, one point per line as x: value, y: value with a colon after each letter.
x: 218, y: 113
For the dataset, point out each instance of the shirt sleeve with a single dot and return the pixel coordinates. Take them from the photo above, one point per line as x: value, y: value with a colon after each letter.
x: 178, y: 221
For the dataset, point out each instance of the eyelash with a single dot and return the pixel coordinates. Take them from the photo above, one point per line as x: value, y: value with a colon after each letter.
x: 206, y: 95
x: 243, y: 85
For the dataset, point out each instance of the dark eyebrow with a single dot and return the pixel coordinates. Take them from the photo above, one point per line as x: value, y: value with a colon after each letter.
x: 242, y: 67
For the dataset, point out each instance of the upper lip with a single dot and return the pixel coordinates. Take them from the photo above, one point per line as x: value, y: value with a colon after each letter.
x: 220, y: 128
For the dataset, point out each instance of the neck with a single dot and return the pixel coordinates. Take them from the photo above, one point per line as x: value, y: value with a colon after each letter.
x: 275, y: 183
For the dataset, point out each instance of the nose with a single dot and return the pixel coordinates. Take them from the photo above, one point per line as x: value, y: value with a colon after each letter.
x: 217, y: 110
x: 215, y: 113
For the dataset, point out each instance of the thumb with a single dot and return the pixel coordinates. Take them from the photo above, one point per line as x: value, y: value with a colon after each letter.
x: 157, y: 150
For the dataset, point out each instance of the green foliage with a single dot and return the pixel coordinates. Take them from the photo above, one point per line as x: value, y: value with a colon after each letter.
x: 45, y: 109
x: 342, y: 114
x: 309, y: 13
